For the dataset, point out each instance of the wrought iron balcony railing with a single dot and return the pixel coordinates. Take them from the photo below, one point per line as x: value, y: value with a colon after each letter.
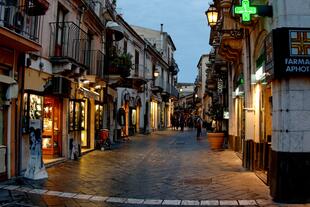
x: 138, y: 71
x: 95, y: 62
x: 68, y: 41
x: 173, y: 67
x: 172, y: 90
x: 18, y: 19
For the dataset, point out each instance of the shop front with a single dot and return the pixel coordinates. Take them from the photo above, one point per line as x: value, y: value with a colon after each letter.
x: 51, y: 135
x: 3, y: 133
x: 237, y: 141
x: 154, y: 115
x: 262, y: 102
x: 10, y: 61
x: 44, y: 112
x: 134, y: 115
x: 78, y: 124
x: 43, y: 108
x: 99, y: 111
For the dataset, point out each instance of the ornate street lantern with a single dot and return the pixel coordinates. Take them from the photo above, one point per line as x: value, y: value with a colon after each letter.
x: 156, y: 73
x: 212, y: 15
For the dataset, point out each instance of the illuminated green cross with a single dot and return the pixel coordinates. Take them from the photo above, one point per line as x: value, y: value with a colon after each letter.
x: 245, y: 10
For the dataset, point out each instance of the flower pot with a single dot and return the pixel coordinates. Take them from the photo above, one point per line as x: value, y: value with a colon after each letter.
x: 216, y: 140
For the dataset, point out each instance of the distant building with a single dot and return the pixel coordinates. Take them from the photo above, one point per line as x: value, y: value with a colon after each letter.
x: 185, y: 89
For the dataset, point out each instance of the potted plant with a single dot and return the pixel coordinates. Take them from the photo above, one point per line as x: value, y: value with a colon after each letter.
x: 216, y: 137
x: 123, y: 62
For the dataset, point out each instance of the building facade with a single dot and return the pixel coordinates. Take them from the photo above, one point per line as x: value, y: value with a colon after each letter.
x: 20, y: 33
x: 267, y: 70
x: 75, y: 70
x: 163, y: 91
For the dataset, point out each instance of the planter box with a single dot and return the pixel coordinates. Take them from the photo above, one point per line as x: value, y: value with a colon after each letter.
x: 216, y: 140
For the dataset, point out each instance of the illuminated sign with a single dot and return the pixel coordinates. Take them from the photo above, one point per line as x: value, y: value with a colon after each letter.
x: 300, y: 43
x: 245, y: 10
x: 290, y: 52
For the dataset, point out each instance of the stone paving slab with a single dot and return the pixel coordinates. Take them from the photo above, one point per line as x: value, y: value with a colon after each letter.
x: 53, y: 193
x: 10, y: 187
x: 171, y: 202
x: 116, y: 200
x: 38, y: 191
x: 247, y: 202
x: 209, y: 202
x: 152, y: 202
x: 134, y: 201
x: 228, y: 203
x: 98, y: 198
x: 190, y: 203
x: 82, y: 196
x: 68, y: 195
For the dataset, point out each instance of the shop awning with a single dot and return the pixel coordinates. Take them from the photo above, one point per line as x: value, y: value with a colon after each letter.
x: 7, y: 79
x: 117, y: 30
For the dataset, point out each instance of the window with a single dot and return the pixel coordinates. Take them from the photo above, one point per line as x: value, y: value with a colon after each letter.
x: 77, y: 115
x: 125, y: 46
x: 137, y: 62
x: 32, y: 116
x: 60, y: 30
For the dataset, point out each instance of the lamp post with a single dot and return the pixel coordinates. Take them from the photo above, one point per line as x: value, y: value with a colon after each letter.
x: 212, y: 17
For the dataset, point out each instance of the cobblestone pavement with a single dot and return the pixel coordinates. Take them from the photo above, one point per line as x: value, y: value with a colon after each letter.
x: 167, y: 168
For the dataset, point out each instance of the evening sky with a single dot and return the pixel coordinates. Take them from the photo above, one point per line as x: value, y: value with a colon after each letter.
x: 184, y: 21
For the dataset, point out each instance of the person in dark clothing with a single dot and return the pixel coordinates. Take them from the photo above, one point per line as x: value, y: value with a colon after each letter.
x: 198, y: 127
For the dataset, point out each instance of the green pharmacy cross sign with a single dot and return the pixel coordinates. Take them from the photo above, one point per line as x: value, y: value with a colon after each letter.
x: 245, y: 10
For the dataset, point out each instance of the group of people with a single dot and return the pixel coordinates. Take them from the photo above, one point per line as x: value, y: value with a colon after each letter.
x: 180, y: 120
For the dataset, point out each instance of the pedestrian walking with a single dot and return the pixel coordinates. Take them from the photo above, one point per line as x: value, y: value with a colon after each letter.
x: 198, y: 127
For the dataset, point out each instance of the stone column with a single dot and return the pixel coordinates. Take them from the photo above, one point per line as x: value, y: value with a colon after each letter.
x: 290, y: 156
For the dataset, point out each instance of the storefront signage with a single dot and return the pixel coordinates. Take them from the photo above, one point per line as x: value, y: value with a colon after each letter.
x: 246, y: 10
x: 291, y: 51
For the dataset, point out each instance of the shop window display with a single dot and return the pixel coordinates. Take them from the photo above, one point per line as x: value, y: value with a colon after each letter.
x: 99, y: 117
x: 32, y: 115
x: 77, y: 115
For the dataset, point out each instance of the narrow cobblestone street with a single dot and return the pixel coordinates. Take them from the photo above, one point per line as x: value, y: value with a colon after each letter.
x: 167, y: 167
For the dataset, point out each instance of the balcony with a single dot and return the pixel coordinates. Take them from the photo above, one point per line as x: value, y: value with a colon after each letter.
x: 173, y: 68
x: 118, y: 64
x: 158, y: 85
x: 172, y: 90
x: 19, y: 27
x: 68, y: 47
x: 37, y: 7
x: 95, y: 63
x: 138, y: 75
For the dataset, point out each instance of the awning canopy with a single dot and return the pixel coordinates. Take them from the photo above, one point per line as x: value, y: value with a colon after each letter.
x: 116, y: 29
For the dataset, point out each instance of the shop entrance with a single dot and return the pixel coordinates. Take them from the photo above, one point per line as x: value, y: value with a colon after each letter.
x: 240, y: 126
x: 3, y: 132
x: 51, y: 135
x: 264, y: 145
x: 85, y: 136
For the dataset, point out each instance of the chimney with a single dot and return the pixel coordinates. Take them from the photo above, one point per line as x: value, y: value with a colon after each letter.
x: 161, y: 28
